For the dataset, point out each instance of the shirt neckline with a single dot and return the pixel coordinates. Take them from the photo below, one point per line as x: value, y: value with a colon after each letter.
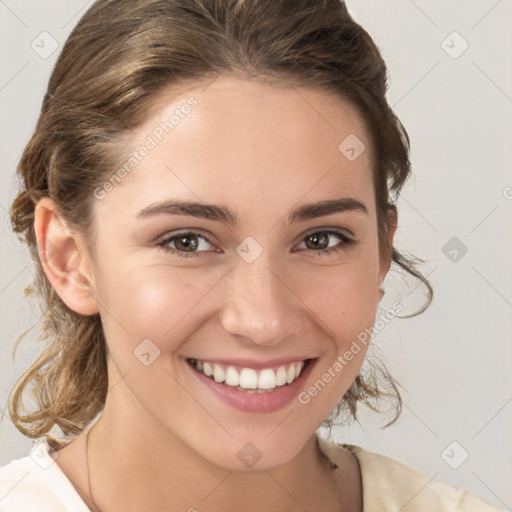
x: 332, y: 450
x: 51, y: 474
x: 67, y: 492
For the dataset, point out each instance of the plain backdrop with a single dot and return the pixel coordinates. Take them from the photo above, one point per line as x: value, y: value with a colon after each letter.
x: 451, y: 85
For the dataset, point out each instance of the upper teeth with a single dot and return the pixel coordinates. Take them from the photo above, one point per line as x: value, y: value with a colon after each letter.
x: 249, y: 378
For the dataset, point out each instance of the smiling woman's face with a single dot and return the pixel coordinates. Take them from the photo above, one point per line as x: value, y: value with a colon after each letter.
x: 254, y: 289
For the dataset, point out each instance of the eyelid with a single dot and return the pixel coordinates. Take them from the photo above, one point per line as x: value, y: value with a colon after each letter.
x: 322, y: 229
x: 345, y: 241
x: 185, y: 231
x: 163, y: 242
x: 213, y: 240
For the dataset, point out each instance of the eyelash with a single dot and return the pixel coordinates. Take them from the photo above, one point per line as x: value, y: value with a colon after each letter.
x: 346, y: 243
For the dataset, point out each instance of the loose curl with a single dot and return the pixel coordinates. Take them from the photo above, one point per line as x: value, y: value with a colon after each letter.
x: 117, y: 59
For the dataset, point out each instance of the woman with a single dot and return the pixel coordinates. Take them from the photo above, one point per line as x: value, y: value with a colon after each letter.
x: 209, y: 194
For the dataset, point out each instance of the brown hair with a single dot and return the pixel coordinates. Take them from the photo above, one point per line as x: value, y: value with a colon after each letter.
x: 118, y: 57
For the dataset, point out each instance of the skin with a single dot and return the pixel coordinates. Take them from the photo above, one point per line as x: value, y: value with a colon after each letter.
x: 260, y: 150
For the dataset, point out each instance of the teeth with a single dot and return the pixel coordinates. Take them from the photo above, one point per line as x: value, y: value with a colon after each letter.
x: 218, y: 373
x: 267, y: 379
x: 232, y: 377
x: 206, y: 369
x: 248, y: 379
x: 290, y: 374
x: 281, y: 376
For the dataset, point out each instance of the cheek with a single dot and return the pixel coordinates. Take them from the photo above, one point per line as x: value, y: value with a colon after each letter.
x: 155, y: 302
x: 160, y: 302
x: 347, y: 312
x: 344, y: 303
x: 168, y: 305
x: 147, y: 315
x: 344, y: 300
x: 344, y: 297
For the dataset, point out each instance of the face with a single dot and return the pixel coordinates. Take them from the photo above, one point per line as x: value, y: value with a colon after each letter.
x: 251, y: 279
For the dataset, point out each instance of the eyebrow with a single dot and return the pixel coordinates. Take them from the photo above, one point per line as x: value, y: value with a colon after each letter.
x: 226, y: 215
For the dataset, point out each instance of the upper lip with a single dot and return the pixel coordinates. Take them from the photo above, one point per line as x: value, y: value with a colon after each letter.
x: 251, y: 363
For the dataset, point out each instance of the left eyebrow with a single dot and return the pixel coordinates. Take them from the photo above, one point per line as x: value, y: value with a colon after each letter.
x: 328, y: 207
x: 224, y: 214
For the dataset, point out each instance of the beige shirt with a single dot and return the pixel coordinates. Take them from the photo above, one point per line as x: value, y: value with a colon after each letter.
x: 391, y: 486
x: 36, y: 484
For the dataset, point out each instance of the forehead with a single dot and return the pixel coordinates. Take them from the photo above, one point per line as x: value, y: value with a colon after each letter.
x: 237, y: 141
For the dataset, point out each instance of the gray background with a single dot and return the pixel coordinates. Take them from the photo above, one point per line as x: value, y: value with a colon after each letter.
x: 454, y: 359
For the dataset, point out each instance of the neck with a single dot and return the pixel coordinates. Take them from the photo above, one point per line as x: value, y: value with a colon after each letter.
x: 162, y: 470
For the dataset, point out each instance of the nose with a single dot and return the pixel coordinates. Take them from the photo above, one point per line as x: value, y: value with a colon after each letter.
x: 260, y: 304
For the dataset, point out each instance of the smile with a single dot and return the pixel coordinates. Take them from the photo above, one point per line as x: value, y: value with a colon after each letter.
x: 250, y: 380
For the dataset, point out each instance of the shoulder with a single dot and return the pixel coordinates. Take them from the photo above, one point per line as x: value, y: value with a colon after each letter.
x: 36, y: 484
x: 390, y: 485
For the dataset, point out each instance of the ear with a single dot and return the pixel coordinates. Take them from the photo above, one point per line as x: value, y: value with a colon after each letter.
x: 392, y: 223
x: 64, y: 258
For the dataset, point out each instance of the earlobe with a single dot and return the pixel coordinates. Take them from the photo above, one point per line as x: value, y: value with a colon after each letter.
x: 64, y: 258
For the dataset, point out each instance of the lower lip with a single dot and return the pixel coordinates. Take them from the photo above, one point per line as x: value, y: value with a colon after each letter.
x: 255, y: 402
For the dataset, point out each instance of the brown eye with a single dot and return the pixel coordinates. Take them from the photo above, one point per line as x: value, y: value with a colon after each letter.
x: 319, y: 241
x: 186, y: 244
